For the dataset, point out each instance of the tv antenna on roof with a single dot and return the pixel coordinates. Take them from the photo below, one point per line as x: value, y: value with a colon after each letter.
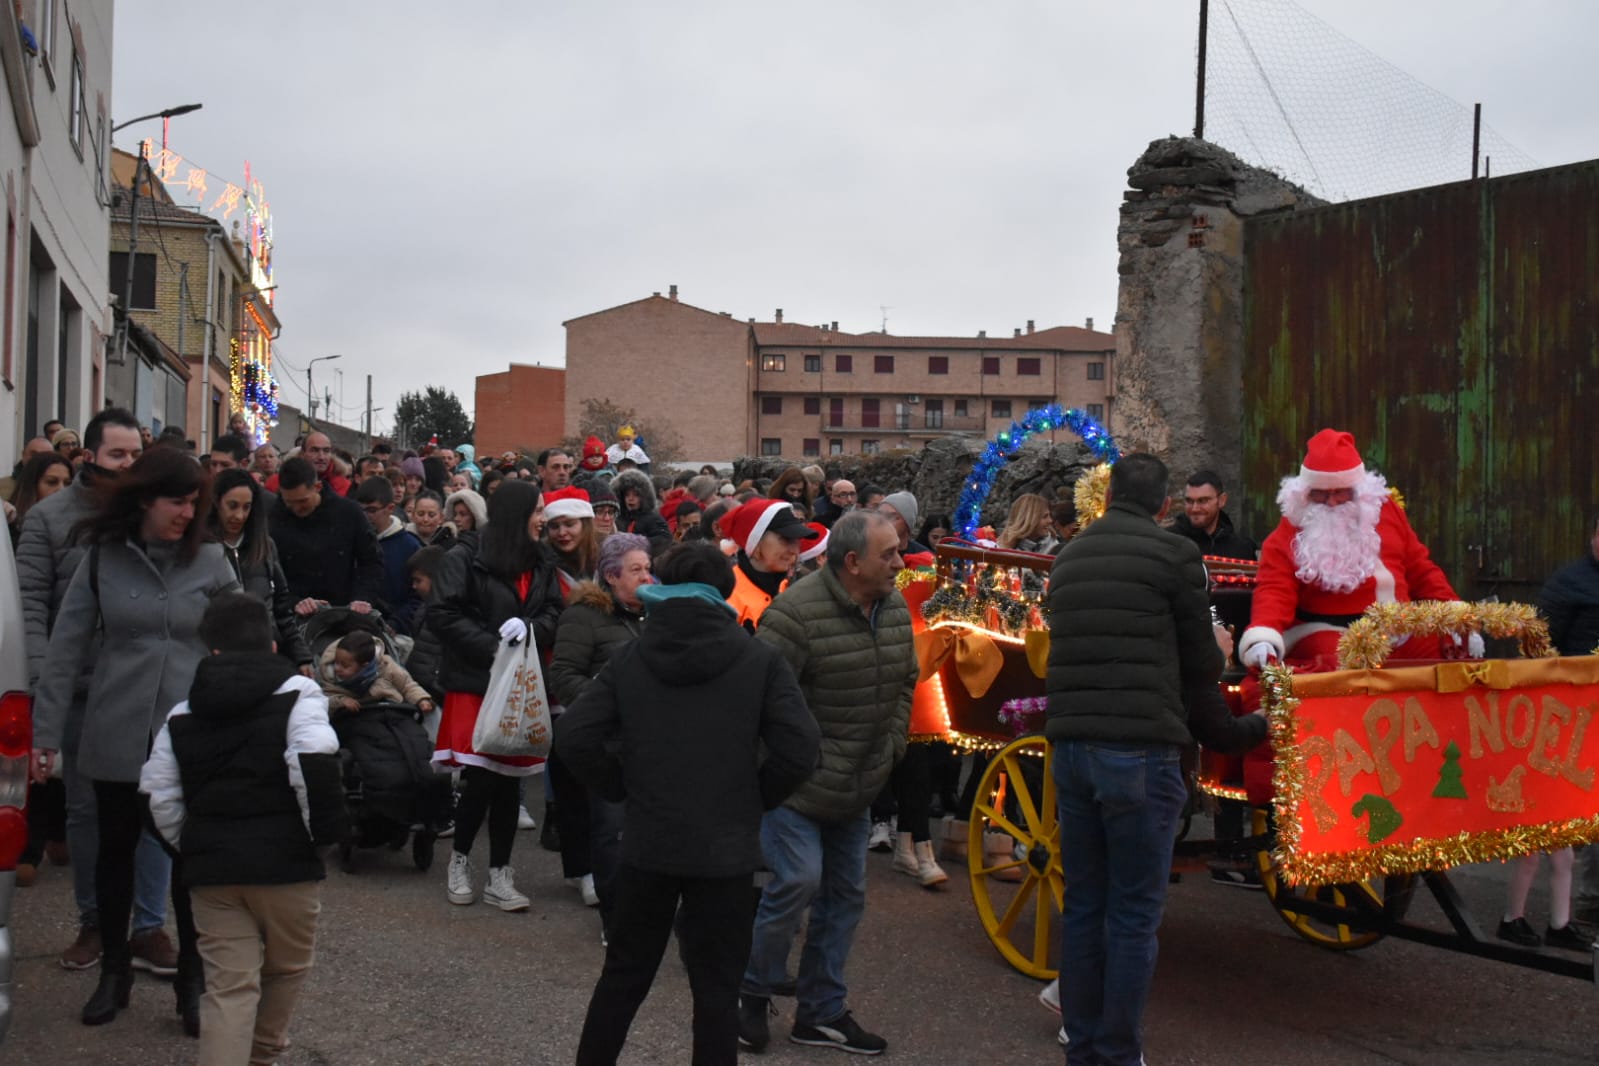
x: 885, y: 311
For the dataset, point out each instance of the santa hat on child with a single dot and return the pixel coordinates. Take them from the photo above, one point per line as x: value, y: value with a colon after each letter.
x: 567, y: 503
x: 1332, y: 462
x: 755, y: 519
x: 593, y: 454
x: 814, y: 543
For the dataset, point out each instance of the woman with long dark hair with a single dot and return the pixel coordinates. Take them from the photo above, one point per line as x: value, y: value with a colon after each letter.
x: 238, y: 521
x: 791, y: 485
x: 42, y: 476
x: 142, y: 587
x: 503, y: 589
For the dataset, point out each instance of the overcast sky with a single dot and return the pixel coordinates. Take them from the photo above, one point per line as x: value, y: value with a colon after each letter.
x: 449, y: 182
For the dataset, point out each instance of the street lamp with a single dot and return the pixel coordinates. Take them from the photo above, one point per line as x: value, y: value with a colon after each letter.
x: 182, y: 109
x: 133, y: 223
x: 310, y: 390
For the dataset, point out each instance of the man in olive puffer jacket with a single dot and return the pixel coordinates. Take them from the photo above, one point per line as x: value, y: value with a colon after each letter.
x: 846, y: 631
x: 1133, y: 672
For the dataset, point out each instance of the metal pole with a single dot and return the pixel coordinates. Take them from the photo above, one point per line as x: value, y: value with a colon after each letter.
x: 367, y: 444
x: 133, y: 245
x: 1476, y: 139
x: 1199, y: 88
x: 183, y: 302
x: 310, y: 393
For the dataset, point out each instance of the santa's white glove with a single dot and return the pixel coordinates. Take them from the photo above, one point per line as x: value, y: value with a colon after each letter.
x: 1401, y: 640
x: 512, y: 630
x: 1475, y: 648
x: 1259, y: 656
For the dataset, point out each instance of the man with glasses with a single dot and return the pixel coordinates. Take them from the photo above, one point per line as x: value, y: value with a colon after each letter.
x: 318, y: 451
x: 840, y: 499
x: 1205, y: 522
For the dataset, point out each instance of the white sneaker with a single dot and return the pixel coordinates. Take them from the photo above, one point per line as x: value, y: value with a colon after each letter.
x: 585, y: 888
x: 458, y: 881
x: 525, y: 820
x: 1050, y: 997
x: 882, y: 838
x: 1061, y: 1036
x: 501, y: 891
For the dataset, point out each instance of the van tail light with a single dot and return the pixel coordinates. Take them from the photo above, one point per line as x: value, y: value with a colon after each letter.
x: 16, y: 743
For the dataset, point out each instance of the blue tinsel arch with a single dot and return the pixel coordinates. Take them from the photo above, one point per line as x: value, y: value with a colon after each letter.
x: 968, y: 513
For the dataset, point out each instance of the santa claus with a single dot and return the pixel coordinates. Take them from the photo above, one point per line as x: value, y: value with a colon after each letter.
x: 1342, y: 545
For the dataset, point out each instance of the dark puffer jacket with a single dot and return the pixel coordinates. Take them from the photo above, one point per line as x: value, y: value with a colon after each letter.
x: 592, y: 627
x: 646, y: 521
x: 1130, y: 636
x: 1226, y: 542
x: 858, y: 674
x: 264, y: 581
x: 1570, y: 600
x: 473, y: 603
x: 699, y: 729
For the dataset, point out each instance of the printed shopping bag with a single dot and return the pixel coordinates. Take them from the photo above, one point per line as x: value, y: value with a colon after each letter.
x: 515, y: 716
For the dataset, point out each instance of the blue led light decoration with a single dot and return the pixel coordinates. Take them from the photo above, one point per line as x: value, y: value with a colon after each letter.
x: 969, y: 512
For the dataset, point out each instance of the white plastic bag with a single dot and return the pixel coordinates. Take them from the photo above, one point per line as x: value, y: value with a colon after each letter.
x: 515, y: 717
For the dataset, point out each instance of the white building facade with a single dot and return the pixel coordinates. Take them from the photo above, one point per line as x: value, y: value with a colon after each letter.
x: 55, y: 306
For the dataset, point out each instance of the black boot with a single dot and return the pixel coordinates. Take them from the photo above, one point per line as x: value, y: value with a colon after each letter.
x: 111, y: 994
x: 189, y: 985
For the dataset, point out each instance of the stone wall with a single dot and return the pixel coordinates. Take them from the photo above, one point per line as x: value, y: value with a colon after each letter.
x: 1180, y: 308
x: 935, y: 474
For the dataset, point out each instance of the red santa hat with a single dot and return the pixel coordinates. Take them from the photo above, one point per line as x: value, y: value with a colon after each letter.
x: 755, y: 519
x: 567, y: 503
x: 593, y: 454
x: 815, y: 543
x: 1332, y: 462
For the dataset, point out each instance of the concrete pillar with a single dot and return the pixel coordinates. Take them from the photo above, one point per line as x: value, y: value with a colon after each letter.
x: 1180, y: 307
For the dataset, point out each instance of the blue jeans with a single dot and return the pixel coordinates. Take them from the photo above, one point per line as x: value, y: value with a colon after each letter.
x: 1120, y: 807
x: 151, y: 867
x: 820, y: 865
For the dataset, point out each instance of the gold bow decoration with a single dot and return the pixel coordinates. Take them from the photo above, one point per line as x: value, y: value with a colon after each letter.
x: 1457, y: 677
x: 978, y: 659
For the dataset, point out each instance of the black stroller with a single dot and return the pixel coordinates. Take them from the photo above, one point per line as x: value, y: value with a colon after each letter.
x: 390, y: 789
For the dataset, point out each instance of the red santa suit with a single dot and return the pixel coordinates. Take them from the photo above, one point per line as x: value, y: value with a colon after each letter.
x: 1319, y: 574
x: 1309, y: 589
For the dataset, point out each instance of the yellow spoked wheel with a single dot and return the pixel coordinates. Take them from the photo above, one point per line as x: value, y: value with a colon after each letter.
x: 1385, y: 896
x: 1013, y: 855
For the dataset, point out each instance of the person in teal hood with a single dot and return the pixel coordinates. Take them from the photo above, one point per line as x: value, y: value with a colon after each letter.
x: 468, y: 464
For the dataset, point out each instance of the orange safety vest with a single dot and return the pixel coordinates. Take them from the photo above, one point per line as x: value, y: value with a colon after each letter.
x: 747, y: 598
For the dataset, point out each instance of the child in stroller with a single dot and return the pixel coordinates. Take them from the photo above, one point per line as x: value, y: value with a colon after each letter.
x: 391, y: 790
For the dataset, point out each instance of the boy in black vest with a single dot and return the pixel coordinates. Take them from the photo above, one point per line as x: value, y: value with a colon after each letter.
x: 244, y: 782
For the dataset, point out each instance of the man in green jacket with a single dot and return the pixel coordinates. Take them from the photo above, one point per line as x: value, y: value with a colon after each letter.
x: 1133, y: 671
x: 846, y: 631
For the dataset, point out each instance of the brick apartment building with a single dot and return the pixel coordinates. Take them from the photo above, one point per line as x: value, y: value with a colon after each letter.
x: 731, y: 387
x: 519, y: 409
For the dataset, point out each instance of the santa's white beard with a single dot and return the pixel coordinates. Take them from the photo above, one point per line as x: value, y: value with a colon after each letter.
x: 1337, y: 547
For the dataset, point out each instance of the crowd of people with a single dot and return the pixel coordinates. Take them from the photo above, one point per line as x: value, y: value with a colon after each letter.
x: 186, y: 750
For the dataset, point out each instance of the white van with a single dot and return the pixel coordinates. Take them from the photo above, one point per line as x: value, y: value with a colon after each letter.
x: 16, y: 742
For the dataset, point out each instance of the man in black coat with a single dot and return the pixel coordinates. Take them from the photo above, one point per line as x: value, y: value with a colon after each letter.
x: 698, y: 729
x: 1133, y: 672
x: 327, y: 547
x: 1570, y: 601
x: 1205, y: 522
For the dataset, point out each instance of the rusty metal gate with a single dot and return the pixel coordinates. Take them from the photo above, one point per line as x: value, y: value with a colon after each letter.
x: 1455, y: 331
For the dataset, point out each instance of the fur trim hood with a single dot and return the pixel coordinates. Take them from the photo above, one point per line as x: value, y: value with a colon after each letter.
x: 638, y: 482
x: 591, y: 594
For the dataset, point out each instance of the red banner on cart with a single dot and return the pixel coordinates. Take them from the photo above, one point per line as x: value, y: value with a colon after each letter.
x: 1428, y: 767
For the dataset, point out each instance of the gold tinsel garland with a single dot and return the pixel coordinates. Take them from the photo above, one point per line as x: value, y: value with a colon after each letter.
x: 1398, y: 498
x: 1365, y: 645
x: 1300, y: 868
x: 1089, y: 495
x: 910, y: 577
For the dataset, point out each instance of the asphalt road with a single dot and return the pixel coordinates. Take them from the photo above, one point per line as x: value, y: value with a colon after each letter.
x: 403, y: 977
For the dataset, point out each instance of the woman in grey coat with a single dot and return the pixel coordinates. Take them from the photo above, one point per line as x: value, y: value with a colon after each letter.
x: 139, y: 593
